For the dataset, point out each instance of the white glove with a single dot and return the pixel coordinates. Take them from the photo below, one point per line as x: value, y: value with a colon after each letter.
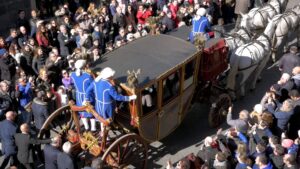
x: 132, y: 97
x: 84, y: 103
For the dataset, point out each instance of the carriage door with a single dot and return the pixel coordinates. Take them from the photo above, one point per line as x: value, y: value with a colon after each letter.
x: 169, y: 115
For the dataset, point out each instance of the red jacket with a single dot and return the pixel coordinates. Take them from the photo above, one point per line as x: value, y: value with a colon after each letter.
x: 42, y: 40
x: 173, y: 10
x: 142, y: 16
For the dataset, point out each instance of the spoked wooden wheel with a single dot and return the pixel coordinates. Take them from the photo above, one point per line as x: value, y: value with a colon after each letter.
x: 219, y: 110
x: 129, y: 151
x: 59, y: 122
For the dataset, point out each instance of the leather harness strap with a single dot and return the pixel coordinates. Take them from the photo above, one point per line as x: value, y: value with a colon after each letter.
x: 259, y: 43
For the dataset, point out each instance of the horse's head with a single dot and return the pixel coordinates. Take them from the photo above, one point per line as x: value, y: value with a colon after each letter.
x: 132, y: 78
x: 270, y: 29
x: 246, y: 19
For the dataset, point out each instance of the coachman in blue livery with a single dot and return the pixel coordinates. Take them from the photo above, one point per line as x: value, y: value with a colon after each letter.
x: 82, y: 81
x: 105, y: 94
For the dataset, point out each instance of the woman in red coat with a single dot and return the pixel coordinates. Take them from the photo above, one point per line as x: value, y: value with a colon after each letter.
x: 143, y: 14
x: 42, y: 37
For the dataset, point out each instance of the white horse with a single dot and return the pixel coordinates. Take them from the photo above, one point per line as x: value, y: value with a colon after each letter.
x: 238, y: 38
x: 287, y: 22
x: 257, y: 18
x: 251, y: 57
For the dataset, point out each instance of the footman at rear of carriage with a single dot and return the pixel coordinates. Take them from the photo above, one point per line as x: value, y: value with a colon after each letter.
x: 200, y: 25
x: 82, y: 81
x: 105, y: 94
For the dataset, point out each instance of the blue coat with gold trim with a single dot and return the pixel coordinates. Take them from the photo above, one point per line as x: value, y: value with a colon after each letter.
x: 81, y: 84
x: 105, y: 97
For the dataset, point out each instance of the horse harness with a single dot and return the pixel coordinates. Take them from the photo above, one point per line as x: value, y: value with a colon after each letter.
x: 284, y: 18
x: 236, y: 36
x: 259, y: 43
x: 260, y: 13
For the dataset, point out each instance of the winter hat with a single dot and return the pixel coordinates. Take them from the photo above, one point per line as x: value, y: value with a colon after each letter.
x: 2, y: 52
x: 287, y: 143
x: 79, y: 64
x: 201, y: 12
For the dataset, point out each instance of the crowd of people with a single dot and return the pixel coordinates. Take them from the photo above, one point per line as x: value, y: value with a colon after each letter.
x: 46, y: 51
x: 267, y: 137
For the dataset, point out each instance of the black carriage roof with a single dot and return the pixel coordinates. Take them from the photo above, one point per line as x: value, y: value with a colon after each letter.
x: 183, y: 33
x: 154, y: 55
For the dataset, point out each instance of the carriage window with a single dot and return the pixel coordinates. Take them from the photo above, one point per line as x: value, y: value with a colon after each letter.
x: 189, y: 73
x: 149, y: 99
x: 171, y: 86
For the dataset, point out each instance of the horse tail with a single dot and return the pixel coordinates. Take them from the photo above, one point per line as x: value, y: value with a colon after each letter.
x: 234, y: 65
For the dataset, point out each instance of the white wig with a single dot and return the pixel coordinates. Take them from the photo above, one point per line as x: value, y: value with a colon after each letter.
x: 201, y: 12
x: 79, y: 64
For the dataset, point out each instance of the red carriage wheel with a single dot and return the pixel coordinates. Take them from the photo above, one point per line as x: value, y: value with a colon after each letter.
x: 128, y: 150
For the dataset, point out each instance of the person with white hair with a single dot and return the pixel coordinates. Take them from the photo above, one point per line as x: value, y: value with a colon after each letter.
x: 282, y: 113
x: 285, y: 82
x: 241, y: 124
x: 208, y: 151
x: 289, y: 60
x: 65, y: 159
x: 106, y: 94
x: 200, y: 24
x: 82, y: 81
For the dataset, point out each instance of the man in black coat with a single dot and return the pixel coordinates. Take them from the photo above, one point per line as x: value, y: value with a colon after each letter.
x: 25, y: 142
x: 8, y: 68
x: 168, y: 22
x: 64, y: 40
x: 118, y: 21
x: 40, y: 109
x: 23, y: 37
x: 289, y: 61
x: 8, y: 130
x: 51, y: 152
x: 7, y: 98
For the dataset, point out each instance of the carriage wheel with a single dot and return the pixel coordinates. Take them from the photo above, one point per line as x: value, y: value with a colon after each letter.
x: 59, y: 122
x: 219, y: 110
x: 128, y: 150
